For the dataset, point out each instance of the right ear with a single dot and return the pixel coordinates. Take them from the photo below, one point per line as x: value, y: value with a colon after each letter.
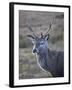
x: 31, y: 37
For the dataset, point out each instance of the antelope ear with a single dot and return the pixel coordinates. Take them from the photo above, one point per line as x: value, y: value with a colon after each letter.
x: 31, y: 37
x: 47, y: 37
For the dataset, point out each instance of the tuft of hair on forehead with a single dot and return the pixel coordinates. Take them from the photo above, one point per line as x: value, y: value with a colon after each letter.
x: 41, y: 35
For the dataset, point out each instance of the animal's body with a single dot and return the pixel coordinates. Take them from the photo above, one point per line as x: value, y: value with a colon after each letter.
x: 52, y: 61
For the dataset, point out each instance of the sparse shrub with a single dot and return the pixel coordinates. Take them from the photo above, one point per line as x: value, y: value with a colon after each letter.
x: 56, y: 39
x: 24, y: 42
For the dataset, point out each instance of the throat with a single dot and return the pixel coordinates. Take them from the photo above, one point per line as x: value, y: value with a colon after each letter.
x: 43, y: 60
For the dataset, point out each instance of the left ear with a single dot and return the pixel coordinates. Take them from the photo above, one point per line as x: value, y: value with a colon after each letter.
x: 47, y: 37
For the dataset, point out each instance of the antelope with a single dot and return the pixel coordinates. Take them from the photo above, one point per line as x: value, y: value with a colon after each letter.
x: 48, y: 60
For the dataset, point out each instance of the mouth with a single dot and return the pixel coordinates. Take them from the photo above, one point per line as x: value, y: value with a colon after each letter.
x: 37, y: 53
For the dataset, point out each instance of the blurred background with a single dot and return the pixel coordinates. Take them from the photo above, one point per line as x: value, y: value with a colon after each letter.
x: 39, y: 22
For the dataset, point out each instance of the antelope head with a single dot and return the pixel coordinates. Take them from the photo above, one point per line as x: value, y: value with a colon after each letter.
x: 40, y: 43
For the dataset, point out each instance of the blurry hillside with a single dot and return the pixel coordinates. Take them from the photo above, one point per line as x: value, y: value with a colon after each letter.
x: 39, y: 21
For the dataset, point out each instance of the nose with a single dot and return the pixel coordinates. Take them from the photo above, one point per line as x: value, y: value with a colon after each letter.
x: 34, y: 50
